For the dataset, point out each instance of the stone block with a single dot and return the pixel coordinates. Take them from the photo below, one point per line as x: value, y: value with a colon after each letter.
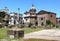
x: 15, y: 32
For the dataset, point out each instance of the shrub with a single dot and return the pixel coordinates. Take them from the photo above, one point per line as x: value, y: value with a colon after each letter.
x: 48, y: 22
x: 30, y: 24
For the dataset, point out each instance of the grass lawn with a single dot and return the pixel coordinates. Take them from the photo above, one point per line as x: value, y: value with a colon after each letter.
x: 3, y: 34
x: 29, y: 30
x: 3, y: 31
x: 38, y: 40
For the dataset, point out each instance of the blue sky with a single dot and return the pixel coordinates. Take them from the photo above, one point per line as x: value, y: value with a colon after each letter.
x: 25, y: 5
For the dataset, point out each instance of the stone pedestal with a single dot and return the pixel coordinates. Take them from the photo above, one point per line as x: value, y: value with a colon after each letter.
x: 15, y: 32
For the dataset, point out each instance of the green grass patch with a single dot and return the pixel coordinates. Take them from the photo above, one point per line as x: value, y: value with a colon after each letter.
x: 38, y: 40
x: 29, y: 30
x: 3, y: 31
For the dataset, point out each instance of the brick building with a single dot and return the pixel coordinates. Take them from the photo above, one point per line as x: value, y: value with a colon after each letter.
x: 43, y: 15
x: 32, y: 17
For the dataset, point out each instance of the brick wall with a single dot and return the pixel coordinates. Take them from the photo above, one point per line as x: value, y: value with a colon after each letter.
x: 51, y: 17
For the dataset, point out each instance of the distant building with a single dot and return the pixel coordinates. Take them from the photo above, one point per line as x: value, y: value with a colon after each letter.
x: 43, y: 15
x: 58, y: 21
x: 30, y: 16
x: 40, y: 18
x: 15, y: 18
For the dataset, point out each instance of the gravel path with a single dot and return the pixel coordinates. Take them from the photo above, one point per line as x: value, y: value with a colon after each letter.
x: 52, y: 34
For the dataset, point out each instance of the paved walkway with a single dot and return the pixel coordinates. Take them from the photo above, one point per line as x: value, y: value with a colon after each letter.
x: 52, y: 34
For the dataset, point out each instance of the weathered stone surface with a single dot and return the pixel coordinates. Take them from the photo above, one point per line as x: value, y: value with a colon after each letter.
x: 15, y: 32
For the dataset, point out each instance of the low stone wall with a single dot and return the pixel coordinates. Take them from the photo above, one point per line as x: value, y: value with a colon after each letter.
x: 14, y: 33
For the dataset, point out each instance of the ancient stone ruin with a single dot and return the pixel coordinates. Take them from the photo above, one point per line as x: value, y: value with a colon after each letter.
x: 15, y: 33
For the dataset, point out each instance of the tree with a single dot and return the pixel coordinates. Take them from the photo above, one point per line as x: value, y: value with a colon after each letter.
x: 48, y: 22
x: 2, y: 14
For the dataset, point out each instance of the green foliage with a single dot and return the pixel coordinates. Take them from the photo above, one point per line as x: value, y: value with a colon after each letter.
x: 53, y: 25
x: 48, y: 22
x: 3, y: 31
x: 29, y: 30
x: 30, y: 24
x: 57, y: 26
x: 2, y: 14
